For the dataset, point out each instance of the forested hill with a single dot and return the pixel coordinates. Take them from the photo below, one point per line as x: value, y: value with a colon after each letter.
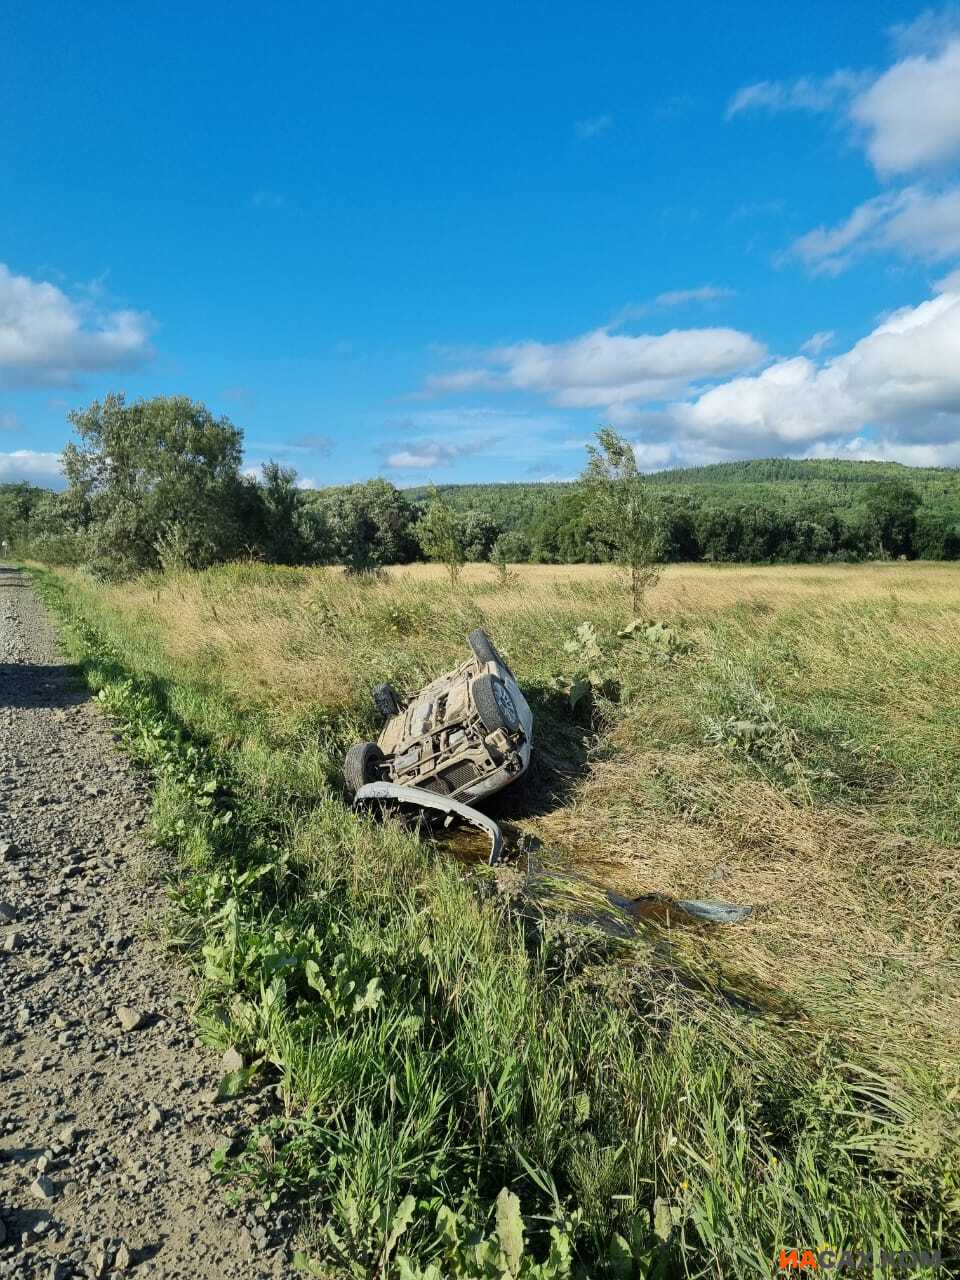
x: 751, y: 480
x: 765, y: 509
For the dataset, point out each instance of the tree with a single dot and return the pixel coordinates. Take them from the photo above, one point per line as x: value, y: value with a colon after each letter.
x: 154, y: 478
x: 511, y: 547
x: 480, y: 531
x: 370, y: 526
x: 891, y: 506
x: 440, y: 533
x: 564, y: 533
x: 273, y: 524
x: 623, y: 512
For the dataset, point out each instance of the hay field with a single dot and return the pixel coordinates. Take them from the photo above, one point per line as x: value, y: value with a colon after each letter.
x: 851, y: 861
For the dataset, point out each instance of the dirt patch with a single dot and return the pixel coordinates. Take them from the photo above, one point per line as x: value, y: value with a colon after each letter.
x: 108, y: 1111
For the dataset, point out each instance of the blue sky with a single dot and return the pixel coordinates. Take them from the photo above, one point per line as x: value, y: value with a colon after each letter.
x: 442, y: 242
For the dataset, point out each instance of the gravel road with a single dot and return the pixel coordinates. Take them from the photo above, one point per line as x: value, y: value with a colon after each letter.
x: 107, y: 1100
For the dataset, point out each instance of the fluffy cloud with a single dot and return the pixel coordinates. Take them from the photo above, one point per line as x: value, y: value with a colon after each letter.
x: 911, y: 114
x: 427, y: 454
x: 866, y: 449
x: 33, y: 466
x: 914, y: 222
x: 902, y: 381
x: 47, y: 338
x: 603, y: 368
x: 894, y: 394
x: 907, y: 119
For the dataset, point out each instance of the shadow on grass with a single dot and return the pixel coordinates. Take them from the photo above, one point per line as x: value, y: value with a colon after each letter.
x: 562, y: 741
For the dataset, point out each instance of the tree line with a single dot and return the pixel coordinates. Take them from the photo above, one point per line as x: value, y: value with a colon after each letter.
x: 159, y: 483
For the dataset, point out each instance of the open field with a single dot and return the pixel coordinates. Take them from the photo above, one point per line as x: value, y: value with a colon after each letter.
x: 790, y: 739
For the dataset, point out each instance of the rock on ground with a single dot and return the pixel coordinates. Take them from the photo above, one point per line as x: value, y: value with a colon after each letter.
x: 107, y: 1118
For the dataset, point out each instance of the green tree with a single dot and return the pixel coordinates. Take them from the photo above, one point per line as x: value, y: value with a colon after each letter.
x: 511, y: 547
x: 279, y: 499
x: 564, y: 533
x: 370, y: 526
x: 440, y: 533
x: 623, y: 512
x: 891, y: 506
x: 480, y: 531
x: 154, y: 478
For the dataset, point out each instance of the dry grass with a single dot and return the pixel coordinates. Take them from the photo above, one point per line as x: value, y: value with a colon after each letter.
x: 856, y: 903
x: 855, y: 923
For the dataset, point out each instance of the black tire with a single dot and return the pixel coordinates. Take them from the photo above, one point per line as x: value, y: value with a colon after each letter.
x: 483, y: 648
x: 385, y: 700
x: 495, y: 707
x: 362, y: 765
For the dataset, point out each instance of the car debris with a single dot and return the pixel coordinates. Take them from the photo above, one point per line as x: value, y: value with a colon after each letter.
x: 462, y: 738
x: 707, y: 910
x: 416, y: 800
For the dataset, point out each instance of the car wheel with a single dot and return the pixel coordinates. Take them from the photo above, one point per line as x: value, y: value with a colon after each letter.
x: 484, y: 650
x: 362, y: 765
x: 495, y: 705
x: 385, y: 700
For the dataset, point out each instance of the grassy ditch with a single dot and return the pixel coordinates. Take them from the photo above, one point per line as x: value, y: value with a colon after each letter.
x: 469, y: 1088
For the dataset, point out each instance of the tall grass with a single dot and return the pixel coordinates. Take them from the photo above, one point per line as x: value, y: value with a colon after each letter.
x: 436, y: 1039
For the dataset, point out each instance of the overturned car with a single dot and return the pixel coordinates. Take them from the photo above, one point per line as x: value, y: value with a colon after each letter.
x: 465, y: 736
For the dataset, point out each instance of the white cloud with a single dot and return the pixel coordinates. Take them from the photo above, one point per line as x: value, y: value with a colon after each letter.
x: 817, y: 342
x: 927, y: 33
x: 907, y: 117
x: 705, y: 293
x: 31, y: 465
x: 911, y: 113
x: 867, y: 449
x: 458, y: 380
x: 425, y: 455
x: 593, y: 126
x: 603, y: 368
x: 949, y: 284
x: 902, y: 381
x: 808, y: 93
x: 914, y: 222
x: 46, y: 338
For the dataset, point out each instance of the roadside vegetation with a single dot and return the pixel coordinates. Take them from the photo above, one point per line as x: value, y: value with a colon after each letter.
x: 476, y: 1075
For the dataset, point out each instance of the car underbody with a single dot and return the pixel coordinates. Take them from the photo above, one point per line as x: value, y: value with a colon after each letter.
x: 462, y: 738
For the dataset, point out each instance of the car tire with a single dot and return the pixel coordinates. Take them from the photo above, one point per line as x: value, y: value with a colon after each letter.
x: 385, y: 700
x: 362, y: 765
x: 495, y: 705
x: 484, y: 650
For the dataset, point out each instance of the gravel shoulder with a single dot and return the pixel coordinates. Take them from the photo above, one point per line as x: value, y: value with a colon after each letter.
x: 108, y: 1113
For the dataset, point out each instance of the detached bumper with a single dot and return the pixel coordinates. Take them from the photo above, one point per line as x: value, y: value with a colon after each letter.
x: 417, y: 799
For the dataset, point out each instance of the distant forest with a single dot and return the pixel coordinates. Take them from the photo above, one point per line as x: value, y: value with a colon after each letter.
x: 160, y: 483
x: 763, y: 510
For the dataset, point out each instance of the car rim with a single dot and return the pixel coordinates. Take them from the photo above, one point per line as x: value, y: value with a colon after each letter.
x: 505, y: 703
